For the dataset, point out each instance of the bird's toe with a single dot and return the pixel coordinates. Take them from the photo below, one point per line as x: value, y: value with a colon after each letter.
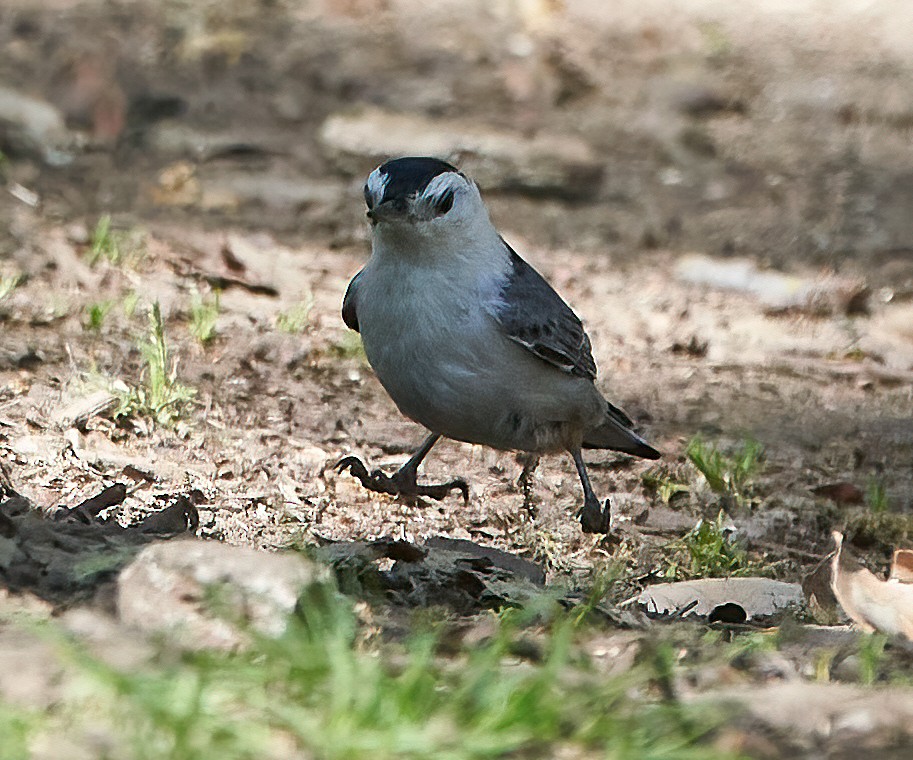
x: 596, y: 518
x: 353, y: 465
x: 440, y: 491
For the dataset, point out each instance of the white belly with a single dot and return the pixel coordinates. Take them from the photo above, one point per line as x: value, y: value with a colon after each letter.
x: 445, y: 363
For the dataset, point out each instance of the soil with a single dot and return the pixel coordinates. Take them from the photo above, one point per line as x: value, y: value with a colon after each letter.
x: 779, y: 135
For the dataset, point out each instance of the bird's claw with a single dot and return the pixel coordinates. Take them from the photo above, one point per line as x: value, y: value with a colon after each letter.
x: 402, y: 483
x: 595, y: 518
x: 440, y: 491
x: 373, y: 481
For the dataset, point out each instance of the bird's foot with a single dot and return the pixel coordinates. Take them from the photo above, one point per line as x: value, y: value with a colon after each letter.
x: 595, y: 517
x: 401, y: 483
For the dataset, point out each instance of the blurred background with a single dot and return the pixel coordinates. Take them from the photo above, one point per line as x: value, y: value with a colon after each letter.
x: 779, y: 129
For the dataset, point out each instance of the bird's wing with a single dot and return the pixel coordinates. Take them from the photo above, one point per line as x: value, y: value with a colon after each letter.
x: 531, y: 313
x: 349, y: 314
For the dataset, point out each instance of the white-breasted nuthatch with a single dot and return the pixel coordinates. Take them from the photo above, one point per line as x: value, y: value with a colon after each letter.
x: 468, y: 339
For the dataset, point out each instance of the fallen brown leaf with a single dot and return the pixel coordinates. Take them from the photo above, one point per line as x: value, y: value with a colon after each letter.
x: 732, y: 600
x: 840, y: 493
x: 902, y: 566
x: 873, y: 604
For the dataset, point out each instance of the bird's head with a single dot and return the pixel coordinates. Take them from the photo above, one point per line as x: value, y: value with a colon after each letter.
x: 423, y: 199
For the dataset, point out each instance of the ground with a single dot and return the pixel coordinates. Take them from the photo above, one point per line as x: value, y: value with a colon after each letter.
x: 721, y: 193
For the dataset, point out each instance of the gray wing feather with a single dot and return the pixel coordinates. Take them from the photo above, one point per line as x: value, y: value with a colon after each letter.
x: 349, y: 313
x: 535, y: 316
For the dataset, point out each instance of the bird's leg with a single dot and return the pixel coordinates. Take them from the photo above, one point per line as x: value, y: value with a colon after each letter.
x: 530, y: 461
x: 594, y: 517
x: 404, y: 482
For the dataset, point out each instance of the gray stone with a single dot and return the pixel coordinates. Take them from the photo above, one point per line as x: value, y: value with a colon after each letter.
x: 776, y: 291
x: 545, y: 165
x: 841, y: 715
x: 177, y: 140
x: 9, y: 552
x: 198, y: 591
x: 33, y: 127
x: 80, y: 410
x: 281, y: 193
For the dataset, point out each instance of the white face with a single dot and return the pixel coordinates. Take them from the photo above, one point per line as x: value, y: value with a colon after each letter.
x: 423, y: 209
x: 449, y: 202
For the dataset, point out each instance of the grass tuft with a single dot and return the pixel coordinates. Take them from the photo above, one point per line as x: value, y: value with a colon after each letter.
x: 871, y: 657
x: 161, y: 398
x: 876, y: 496
x: 203, y: 315
x: 349, y: 346
x: 103, y: 243
x: 707, y: 551
x: 727, y: 474
x: 16, y: 725
x: 96, y: 314
x: 296, y: 320
x: 8, y: 283
x: 115, y: 247
x: 664, y: 484
x: 130, y: 303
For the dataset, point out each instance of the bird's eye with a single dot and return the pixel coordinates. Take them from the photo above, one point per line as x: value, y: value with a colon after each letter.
x: 369, y: 201
x: 445, y: 203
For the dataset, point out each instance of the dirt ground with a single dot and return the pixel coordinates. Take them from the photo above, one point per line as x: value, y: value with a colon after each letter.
x: 630, y: 151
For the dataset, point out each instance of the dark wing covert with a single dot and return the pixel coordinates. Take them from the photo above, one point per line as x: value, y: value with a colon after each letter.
x: 349, y: 314
x: 535, y: 316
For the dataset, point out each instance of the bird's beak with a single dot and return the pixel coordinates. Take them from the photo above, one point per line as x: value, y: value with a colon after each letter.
x: 386, y: 211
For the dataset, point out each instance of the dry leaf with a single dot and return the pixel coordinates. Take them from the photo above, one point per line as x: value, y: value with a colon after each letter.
x: 873, y: 604
x: 730, y: 600
x: 840, y: 493
x: 177, y: 185
x: 902, y: 566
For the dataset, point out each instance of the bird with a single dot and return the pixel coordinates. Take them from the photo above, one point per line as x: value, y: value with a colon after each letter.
x: 469, y: 340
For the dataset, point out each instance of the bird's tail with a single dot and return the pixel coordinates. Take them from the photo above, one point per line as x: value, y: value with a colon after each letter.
x: 615, y: 432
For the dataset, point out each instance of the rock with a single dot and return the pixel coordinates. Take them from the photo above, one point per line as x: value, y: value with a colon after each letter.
x: 282, y: 193
x: 180, y: 141
x: 776, y: 291
x: 9, y: 552
x: 458, y: 574
x: 173, y: 587
x: 896, y: 321
x: 546, y: 165
x: 36, y: 447
x: 826, y: 716
x: 7, y: 529
x: 729, y: 600
x: 498, y: 558
x: 33, y: 127
x: 39, y: 675
x: 309, y: 460
x: 30, y: 668
x: 105, y: 638
x: 81, y: 410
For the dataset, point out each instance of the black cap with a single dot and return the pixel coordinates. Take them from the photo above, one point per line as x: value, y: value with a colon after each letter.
x: 410, y: 175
